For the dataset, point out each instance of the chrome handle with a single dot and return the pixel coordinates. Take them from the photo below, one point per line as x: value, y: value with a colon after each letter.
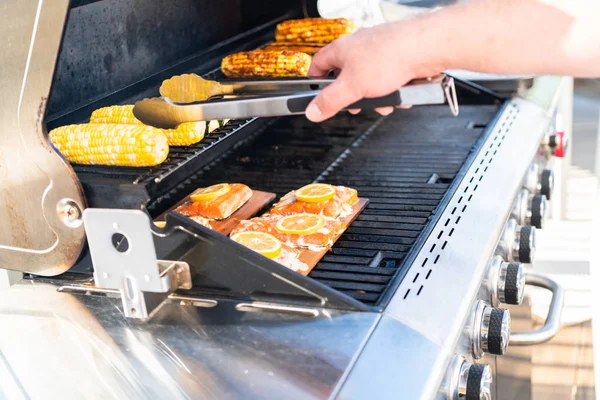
x: 552, y: 324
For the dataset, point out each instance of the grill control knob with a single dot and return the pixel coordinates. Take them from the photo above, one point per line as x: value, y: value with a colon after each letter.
x: 511, y: 283
x: 547, y: 183
x: 491, y: 330
x: 537, y: 213
x: 475, y: 382
x: 495, y: 330
x: 524, y: 247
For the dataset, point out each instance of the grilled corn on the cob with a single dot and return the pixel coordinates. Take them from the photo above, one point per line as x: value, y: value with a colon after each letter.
x: 111, y: 144
x: 183, y: 135
x: 114, y: 115
x: 261, y: 63
x: 299, y: 47
x: 313, y: 30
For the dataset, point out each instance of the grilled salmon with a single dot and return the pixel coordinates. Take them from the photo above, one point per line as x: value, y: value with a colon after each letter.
x: 289, y: 259
x: 219, y: 207
x: 339, y: 206
x: 318, y: 240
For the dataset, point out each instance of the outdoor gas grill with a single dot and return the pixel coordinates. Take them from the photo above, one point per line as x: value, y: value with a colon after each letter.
x: 409, y: 302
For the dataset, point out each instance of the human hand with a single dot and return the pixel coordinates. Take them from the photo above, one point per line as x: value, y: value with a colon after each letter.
x: 371, y: 62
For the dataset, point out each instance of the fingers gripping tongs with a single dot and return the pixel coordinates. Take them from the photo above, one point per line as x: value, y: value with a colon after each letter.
x: 189, y: 98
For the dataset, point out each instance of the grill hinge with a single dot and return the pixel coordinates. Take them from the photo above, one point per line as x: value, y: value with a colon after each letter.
x: 124, y: 258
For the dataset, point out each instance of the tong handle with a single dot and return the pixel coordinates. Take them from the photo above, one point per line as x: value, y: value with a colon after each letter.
x: 299, y: 103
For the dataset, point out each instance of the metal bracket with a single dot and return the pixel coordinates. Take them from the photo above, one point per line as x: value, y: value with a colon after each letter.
x: 124, y: 258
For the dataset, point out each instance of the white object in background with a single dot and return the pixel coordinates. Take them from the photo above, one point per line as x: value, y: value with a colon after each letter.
x: 8, y: 278
x: 396, y: 12
x: 363, y: 13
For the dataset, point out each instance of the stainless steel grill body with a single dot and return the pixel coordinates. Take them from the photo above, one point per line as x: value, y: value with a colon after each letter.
x: 190, y: 351
x: 384, y: 315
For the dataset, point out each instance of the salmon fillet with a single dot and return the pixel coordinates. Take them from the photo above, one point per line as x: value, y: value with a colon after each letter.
x: 289, y: 259
x: 202, y: 221
x: 323, y: 238
x: 339, y: 206
x: 220, y: 207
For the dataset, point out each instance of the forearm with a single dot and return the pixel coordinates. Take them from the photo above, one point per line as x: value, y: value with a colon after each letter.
x: 554, y: 37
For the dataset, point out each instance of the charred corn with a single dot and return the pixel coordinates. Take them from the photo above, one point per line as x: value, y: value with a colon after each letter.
x: 114, y: 115
x: 261, y: 63
x: 111, y: 144
x: 299, y: 47
x: 313, y: 30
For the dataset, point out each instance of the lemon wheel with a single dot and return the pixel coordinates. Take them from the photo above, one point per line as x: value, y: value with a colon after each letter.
x: 315, y: 193
x: 210, y: 192
x: 261, y: 242
x: 300, y: 224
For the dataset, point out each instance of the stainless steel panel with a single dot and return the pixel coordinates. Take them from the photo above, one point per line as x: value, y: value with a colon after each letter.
x: 436, y: 298
x: 458, y: 250
x: 61, y: 345
x: 40, y: 198
x: 396, y: 363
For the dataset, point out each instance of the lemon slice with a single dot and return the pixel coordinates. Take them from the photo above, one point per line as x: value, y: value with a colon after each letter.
x: 160, y: 224
x: 315, y: 193
x: 210, y: 192
x: 300, y: 224
x: 261, y: 242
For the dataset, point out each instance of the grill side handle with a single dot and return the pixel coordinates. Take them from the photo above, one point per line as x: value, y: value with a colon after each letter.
x: 552, y: 324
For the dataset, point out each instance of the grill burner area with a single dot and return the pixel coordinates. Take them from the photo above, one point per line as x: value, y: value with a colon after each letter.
x: 404, y: 163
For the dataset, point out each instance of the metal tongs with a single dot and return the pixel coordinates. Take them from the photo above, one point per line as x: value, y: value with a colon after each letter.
x: 190, y: 98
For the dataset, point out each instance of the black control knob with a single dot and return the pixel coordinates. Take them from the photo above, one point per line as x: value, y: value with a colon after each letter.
x: 524, y: 247
x: 495, y: 330
x: 475, y: 382
x: 547, y: 183
x: 538, y: 211
x: 511, y: 283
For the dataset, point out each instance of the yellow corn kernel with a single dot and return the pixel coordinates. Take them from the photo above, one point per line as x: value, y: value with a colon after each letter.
x: 111, y: 144
x: 313, y: 30
x: 264, y: 63
x: 186, y: 133
x: 114, y: 115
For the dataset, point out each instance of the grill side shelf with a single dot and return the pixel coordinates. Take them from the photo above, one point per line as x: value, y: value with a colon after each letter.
x: 222, y: 268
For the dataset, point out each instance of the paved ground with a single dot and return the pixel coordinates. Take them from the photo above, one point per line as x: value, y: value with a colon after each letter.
x: 564, y: 368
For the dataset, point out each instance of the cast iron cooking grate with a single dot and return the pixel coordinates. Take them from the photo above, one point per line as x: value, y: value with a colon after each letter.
x: 404, y: 164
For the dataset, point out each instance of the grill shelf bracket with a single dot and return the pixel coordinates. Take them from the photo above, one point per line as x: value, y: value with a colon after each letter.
x: 124, y: 258
x: 204, y: 264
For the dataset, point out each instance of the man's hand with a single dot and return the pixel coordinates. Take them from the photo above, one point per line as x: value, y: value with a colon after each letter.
x: 546, y: 37
x: 372, y: 62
